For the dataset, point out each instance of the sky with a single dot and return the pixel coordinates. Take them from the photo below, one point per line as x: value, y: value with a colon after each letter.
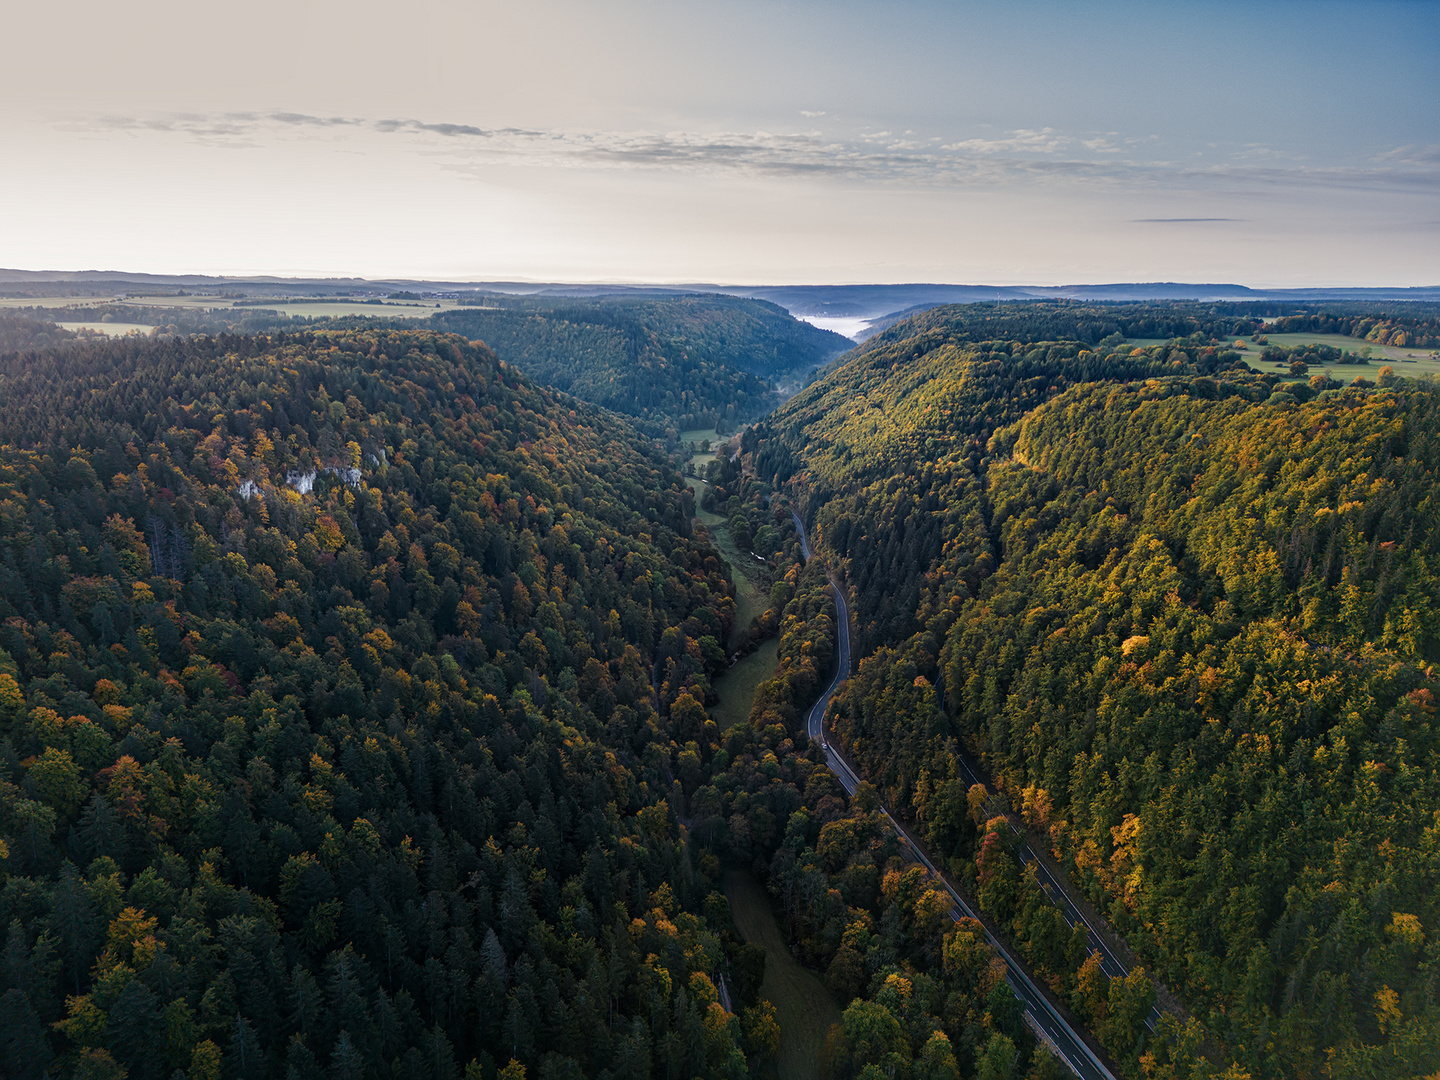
x: 1268, y: 143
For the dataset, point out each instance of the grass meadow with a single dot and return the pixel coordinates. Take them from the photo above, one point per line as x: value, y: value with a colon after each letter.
x: 804, y: 1007
x: 736, y: 686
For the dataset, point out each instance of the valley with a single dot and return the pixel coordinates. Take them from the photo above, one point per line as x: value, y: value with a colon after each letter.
x: 464, y: 701
x: 804, y: 1007
x: 746, y: 541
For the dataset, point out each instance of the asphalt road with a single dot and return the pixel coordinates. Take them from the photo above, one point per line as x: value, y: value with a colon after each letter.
x: 1063, y: 1039
x: 1111, y: 964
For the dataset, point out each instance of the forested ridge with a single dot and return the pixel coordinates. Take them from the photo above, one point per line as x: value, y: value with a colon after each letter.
x: 1185, y: 620
x: 31, y: 327
x: 361, y: 780
x: 1412, y: 324
x: 352, y: 725
x: 675, y: 363
x: 1085, y: 322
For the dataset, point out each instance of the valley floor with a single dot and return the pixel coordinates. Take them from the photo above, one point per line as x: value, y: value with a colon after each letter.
x: 804, y: 1007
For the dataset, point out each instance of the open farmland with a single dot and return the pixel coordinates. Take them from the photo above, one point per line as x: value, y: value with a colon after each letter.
x: 1406, y: 362
x: 110, y: 329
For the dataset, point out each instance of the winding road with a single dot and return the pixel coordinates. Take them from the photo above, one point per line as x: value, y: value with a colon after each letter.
x: 1064, y: 1040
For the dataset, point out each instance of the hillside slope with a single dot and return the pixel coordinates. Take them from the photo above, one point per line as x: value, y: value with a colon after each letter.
x: 331, y: 668
x: 678, y: 362
x: 1186, y: 623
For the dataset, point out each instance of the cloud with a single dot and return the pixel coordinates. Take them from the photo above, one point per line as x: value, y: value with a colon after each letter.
x: 1045, y: 141
x: 456, y: 131
x: 1412, y: 155
x: 234, y: 130
x: 1041, y: 155
x: 316, y: 121
x: 1180, y: 220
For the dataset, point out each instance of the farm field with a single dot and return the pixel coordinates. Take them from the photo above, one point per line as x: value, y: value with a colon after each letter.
x: 804, y: 1007
x: 1378, y: 353
x: 1409, y: 362
x: 390, y: 309
x: 12, y: 302
x: 110, y: 329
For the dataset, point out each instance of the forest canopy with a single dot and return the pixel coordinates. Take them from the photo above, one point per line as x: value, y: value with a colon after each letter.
x: 1090, y: 323
x: 353, y: 695
x: 1184, y: 620
x: 681, y: 362
x: 335, y: 671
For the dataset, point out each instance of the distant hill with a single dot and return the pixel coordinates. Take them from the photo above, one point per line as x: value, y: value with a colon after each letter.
x: 1091, y: 322
x: 884, y: 305
x: 678, y: 362
x: 673, y: 361
x: 855, y: 300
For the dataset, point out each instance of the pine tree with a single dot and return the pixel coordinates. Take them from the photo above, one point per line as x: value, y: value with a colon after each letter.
x: 25, y: 1052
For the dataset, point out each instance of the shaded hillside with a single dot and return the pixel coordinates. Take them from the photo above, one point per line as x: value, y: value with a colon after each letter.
x: 331, y: 669
x: 673, y: 362
x: 29, y: 330
x: 1187, y: 622
x: 352, y: 725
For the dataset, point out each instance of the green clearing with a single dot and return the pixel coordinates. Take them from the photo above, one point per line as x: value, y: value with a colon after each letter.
x: 736, y: 686
x: 698, y: 486
x: 750, y: 600
x: 1411, y: 362
x: 699, y: 435
x: 803, y: 1006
